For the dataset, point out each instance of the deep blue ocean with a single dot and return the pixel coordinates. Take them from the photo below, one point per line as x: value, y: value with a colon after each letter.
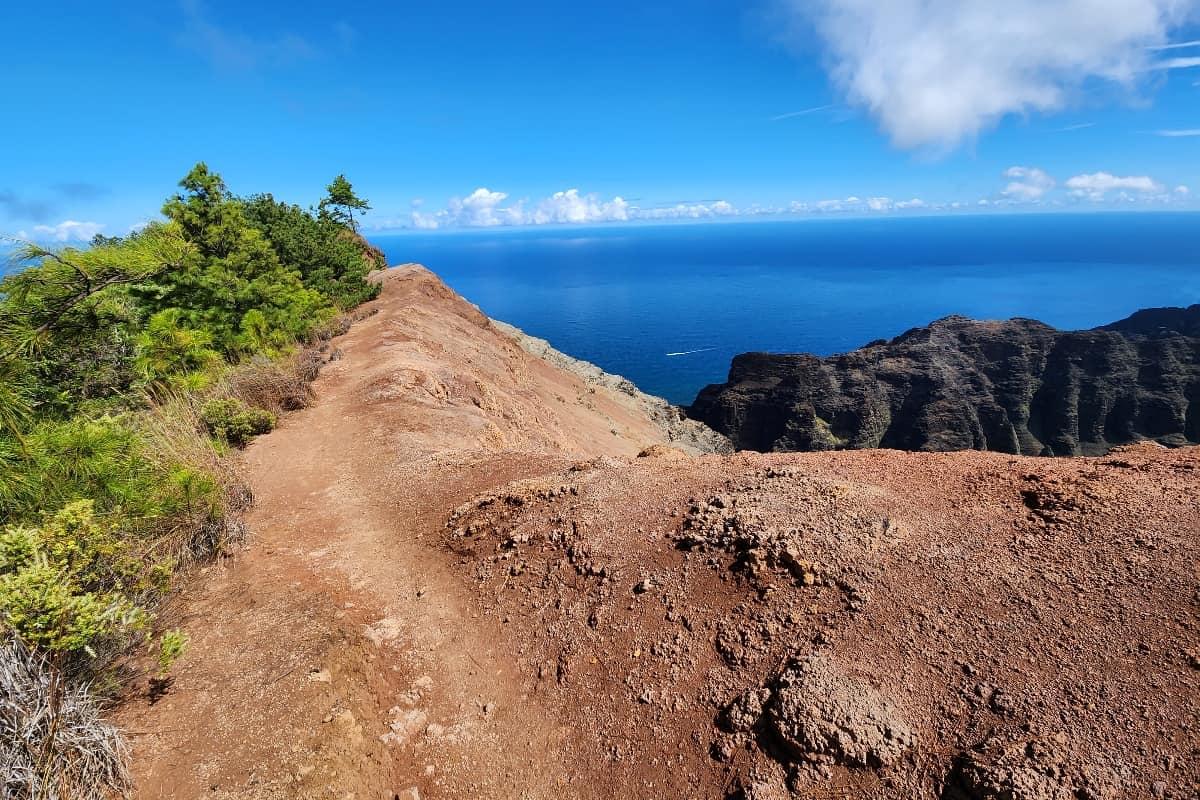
x: 627, y: 297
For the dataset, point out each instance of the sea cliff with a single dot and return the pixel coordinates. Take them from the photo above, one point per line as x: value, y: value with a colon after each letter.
x: 1017, y: 386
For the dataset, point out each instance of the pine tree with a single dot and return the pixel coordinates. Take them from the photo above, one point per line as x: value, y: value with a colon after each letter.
x: 341, y: 203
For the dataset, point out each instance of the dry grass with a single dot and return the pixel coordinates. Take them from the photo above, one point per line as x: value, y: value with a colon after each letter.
x: 54, y: 743
x: 277, y: 385
x: 209, y: 525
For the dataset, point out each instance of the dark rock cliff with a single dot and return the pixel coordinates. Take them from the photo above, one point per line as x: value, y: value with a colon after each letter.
x: 1018, y: 386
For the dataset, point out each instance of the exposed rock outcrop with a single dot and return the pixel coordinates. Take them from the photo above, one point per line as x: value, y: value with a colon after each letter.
x: 1018, y: 386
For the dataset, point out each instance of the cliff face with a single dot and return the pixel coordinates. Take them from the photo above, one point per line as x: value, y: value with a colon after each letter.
x: 1015, y: 387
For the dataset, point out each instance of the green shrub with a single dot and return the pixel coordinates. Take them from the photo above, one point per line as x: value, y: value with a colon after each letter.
x: 170, y: 648
x: 235, y: 422
x: 69, y: 585
x: 170, y: 355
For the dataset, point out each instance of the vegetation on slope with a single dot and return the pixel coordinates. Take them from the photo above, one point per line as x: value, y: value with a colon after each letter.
x: 127, y: 370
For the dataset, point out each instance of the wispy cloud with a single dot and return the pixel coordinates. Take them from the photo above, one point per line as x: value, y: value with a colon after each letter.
x: 937, y: 73
x: 20, y: 207
x: 1174, y: 46
x: 80, y: 190
x: 236, y: 51
x: 1172, y: 134
x: 66, y: 231
x: 345, y: 33
x: 1077, y: 127
x: 1179, y: 63
x: 803, y: 113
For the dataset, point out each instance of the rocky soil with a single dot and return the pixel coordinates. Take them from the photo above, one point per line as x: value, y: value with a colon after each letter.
x: 1014, y: 387
x: 475, y: 574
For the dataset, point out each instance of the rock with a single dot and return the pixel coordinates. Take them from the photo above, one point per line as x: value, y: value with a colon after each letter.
x: 744, y: 713
x: 1024, y: 769
x: 664, y: 452
x: 1017, y: 386
x: 819, y: 715
x: 410, y: 793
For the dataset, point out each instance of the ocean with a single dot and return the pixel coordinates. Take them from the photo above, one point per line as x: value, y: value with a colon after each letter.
x: 669, y: 306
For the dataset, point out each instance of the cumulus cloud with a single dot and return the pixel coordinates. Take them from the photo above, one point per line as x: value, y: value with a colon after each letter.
x: 718, y: 208
x: 573, y: 208
x: 66, y: 231
x: 484, y: 208
x: 935, y: 73
x: 1098, y: 184
x: 1027, y: 183
x: 1182, y: 191
x: 858, y: 205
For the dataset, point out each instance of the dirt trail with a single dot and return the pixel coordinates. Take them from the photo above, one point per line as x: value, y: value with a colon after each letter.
x: 337, y: 655
x: 461, y: 583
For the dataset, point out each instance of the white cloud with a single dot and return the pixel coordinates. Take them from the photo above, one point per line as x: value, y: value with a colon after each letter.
x: 1179, y: 63
x: 1176, y: 45
x: 484, y: 208
x: 1172, y: 134
x: 573, y: 208
x: 857, y: 205
x: 66, y: 231
x: 1027, y: 183
x: 1098, y: 184
x: 1182, y: 191
x: 936, y: 73
x: 719, y: 208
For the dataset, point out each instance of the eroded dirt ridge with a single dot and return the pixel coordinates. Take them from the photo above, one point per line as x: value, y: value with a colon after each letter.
x: 464, y: 581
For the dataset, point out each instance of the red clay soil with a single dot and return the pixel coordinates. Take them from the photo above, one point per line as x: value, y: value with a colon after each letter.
x: 462, y: 582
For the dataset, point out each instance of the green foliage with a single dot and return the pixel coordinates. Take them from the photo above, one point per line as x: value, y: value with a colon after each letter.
x: 234, y: 422
x: 231, y: 272
x: 78, y: 458
x: 340, y: 203
x: 330, y: 259
x: 170, y: 647
x: 107, y: 354
x: 68, y: 323
x: 168, y: 351
x: 66, y: 586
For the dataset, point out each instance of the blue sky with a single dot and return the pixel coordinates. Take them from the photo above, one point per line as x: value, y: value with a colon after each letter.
x: 472, y: 113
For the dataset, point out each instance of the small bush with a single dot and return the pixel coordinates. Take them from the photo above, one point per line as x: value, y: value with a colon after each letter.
x: 170, y: 648
x: 67, y: 586
x: 234, y: 421
x: 54, y: 744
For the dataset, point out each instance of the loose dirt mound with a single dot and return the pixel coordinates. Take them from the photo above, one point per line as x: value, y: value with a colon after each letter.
x: 883, y: 624
x: 464, y: 582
